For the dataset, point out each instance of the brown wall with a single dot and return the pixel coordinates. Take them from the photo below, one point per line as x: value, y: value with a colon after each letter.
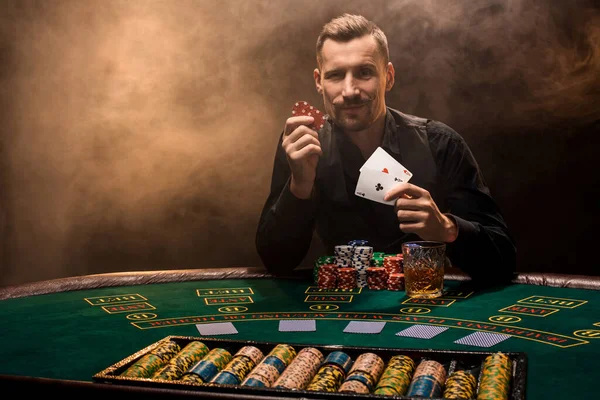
x: 139, y: 135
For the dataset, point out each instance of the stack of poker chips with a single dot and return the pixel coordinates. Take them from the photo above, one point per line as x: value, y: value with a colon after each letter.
x: 428, y: 380
x: 393, y: 264
x: 331, y: 373
x: 356, y: 254
x: 301, y: 370
x: 377, y: 278
x: 318, y: 263
x: 146, y: 366
x: 346, y: 269
x: 356, y: 265
x: 270, y: 368
x: 394, y: 267
x: 361, y: 261
x: 240, y: 365
x: 327, y: 278
x: 396, y: 376
x: 347, y: 278
x: 390, y: 276
x: 364, y: 374
x: 460, y: 385
x: 396, y: 282
x: 343, y: 255
x: 205, y: 369
x: 182, y: 361
x: 495, y: 377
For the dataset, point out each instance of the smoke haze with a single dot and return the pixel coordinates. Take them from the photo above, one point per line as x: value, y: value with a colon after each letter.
x: 140, y: 135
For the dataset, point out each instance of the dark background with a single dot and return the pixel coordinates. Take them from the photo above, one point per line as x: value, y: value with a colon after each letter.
x: 139, y: 135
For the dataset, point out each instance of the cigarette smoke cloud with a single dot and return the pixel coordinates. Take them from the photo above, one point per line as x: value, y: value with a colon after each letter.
x: 140, y: 135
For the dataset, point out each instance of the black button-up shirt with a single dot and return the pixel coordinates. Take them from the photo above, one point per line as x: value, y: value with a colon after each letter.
x: 441, y: 162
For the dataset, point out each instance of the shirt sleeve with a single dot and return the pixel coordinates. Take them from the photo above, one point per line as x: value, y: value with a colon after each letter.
x: 286, y: 224
x: 484, y: 248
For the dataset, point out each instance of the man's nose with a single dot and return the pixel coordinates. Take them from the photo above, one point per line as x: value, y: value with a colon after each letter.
x: 350, y: 88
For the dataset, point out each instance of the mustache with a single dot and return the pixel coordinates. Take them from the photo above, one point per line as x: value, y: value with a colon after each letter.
x: 357, y: 101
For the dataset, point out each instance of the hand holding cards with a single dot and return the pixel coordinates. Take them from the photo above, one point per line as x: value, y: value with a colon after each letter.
x: 378, y: 175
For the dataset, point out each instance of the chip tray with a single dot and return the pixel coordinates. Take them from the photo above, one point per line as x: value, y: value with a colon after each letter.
x: 450, y: 359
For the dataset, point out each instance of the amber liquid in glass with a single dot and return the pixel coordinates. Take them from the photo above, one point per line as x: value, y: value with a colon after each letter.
x: 425, y: 282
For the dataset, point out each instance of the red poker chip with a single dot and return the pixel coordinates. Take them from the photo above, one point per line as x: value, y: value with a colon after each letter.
x: 347, y: 278
x: 393, y: 264
x: 303, y: 108
x: 396, y: 281
x: 327, y: 277
x: 377, y: 278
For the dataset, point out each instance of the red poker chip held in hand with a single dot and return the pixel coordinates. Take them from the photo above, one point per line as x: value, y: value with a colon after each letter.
x: 302, y: 108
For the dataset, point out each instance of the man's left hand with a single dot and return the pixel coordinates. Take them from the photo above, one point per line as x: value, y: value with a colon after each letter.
x: 418, y: 213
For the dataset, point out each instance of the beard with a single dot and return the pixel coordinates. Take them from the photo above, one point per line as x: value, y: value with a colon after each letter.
x: 354, y: 123
x: 355, y: 120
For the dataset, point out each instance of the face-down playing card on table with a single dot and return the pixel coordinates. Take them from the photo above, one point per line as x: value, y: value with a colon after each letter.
x: 422, y: 331
x: 370, y: 327
x: 482, y: 339
x: 298, y: 325
x: 217, y: 328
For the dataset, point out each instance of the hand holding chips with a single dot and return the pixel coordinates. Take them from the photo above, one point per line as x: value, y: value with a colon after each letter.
x: 302, y: 147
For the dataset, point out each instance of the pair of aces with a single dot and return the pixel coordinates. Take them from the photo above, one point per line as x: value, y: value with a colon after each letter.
x: 377, y: 175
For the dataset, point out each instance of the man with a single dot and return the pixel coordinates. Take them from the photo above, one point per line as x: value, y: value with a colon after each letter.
x: 315, y: 173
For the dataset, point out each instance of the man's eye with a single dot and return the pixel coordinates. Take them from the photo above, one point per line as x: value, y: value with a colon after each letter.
x: 366, y: 72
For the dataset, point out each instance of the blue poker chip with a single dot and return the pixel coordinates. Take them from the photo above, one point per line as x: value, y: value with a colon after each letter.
x: 362, y: 378
x: 206, y: 370
x: 275, y: 362
x: 358, y: 242
x: 340, y: 359
x: 425, y: 386
x: 226, y: 378
x: 254, y: 382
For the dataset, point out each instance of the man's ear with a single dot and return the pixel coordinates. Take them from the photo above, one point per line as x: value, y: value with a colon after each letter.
x: 317, y: 76
x: 390, y: 76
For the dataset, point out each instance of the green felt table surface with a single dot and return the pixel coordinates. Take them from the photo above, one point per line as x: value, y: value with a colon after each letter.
x: 74, y: 335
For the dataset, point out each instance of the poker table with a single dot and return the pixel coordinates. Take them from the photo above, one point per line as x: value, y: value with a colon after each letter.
x: 56, y: 335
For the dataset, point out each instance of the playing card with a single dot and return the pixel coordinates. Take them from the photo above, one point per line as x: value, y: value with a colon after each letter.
x: 422, y: 331
x: 380, y: 160
x: 218, y: 328
x: 374, y: 184
x: 482, y: 339
x: 364, y: 327
x: 302, y: 108
x: 297, y: 325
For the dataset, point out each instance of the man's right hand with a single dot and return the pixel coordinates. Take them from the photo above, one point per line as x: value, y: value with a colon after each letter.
x: 303, y: 149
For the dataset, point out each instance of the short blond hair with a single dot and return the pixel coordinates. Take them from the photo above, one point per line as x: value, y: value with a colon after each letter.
x: 347, y: 27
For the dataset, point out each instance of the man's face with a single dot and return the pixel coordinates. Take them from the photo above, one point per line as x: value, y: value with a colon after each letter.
x: 353, y: 80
